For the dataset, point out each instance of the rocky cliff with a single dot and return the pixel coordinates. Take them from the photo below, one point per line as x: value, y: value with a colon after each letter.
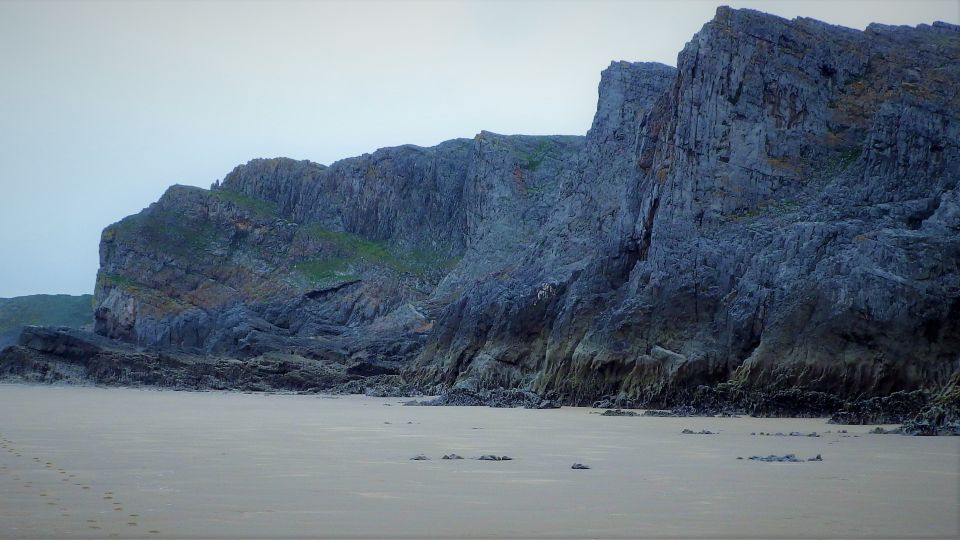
x: 776, y: 219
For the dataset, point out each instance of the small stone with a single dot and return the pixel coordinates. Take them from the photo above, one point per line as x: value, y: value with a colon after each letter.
x: 451, y: 456
x: 791, y: 458
x: 419, y: 457
x: 579, y: 466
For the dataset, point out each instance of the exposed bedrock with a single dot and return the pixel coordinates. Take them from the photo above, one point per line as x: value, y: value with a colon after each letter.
x: 774, y: 223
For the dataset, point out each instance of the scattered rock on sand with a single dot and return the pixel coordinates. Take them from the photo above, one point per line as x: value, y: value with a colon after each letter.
x: 419, y: 457
x: 678, y: 412
x: 881, y: 431
x: 451, y: 456
x: 619, y: 412
x: 788, y: 458
x: 492, y: 457
x: 490, y: 398
x: 791, y: 458
x: 579, y: 466
x: 701, y: 432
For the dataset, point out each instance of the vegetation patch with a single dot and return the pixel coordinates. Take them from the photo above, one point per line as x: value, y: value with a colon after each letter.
x: 850, y: 156
x: 326, y: 270
x: 167, y: 233
x: 154, y: 297
x: 353, y: 251
x: 531, y: 161
x: 43, y: 309
x: 255, y: 206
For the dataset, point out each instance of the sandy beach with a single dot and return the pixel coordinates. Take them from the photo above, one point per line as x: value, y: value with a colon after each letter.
x: 90, y: 462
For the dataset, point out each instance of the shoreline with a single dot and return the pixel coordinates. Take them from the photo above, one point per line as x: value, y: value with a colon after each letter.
x: 418, y: 401
x: 226, y: 464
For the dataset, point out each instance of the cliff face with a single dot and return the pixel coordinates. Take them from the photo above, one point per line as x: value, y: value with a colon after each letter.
x: 779, y: 212
x: 786, y: 219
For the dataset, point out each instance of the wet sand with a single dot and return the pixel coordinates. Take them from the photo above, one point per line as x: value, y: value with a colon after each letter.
x: 88, y: 462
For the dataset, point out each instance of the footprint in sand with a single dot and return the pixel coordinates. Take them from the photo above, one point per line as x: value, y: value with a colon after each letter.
x: 134, y: 515
x: 132, y: 523
x: 154, y: 532
x: 107, y: 497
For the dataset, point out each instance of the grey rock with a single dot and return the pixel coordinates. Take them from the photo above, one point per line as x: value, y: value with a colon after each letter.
x: 499, y: 398
x: 419, y: 457
x: 579, y: 466
x: 788, y: 458
x: 619, y: 412
x: 771, y: 228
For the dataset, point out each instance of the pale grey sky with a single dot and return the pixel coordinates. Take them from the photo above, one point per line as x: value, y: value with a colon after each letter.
x: 105, y: 104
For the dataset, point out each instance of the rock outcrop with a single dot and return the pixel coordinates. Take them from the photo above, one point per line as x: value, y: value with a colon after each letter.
x: 772, y: 225
x: 43, y: 309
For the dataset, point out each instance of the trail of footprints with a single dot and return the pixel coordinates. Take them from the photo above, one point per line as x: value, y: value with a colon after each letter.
x: 93, y: 524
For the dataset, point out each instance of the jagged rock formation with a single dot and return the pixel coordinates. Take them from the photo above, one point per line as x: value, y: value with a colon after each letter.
x: 774, y: 222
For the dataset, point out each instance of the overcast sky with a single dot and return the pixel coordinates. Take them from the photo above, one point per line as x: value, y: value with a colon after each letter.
x: 105, y: 104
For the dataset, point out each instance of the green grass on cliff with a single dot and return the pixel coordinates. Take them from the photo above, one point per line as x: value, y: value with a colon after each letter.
x: 43, y: 309
x: 157, y: 298
x: 166, y: 233
x: 352, y: 246
x: 326, y: 270
x: 253, y: 205
x: 531, y: 161
x: 354, y: 252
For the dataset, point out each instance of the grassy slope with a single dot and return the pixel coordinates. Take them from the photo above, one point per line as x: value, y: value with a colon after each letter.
x: 44, y: 309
